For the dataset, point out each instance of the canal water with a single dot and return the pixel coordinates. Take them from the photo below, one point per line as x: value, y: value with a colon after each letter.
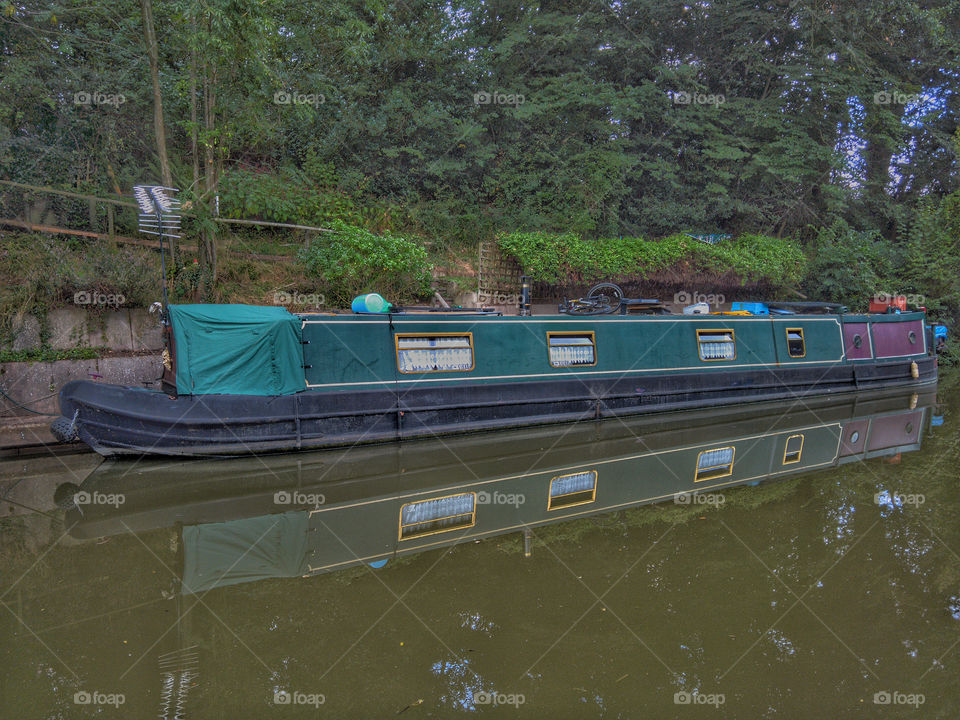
x: 780, y: 561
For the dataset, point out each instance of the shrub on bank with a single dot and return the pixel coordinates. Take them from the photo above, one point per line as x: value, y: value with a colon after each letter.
x: 39, y: 273
x: 755, y: 259
x: 350, y: 261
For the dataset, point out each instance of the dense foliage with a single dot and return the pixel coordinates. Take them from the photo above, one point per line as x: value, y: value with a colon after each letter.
x: 350, y: 261
x: 754, y: 259
x: 459, y: 121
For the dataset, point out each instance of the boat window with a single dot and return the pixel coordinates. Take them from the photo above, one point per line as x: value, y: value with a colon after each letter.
x: 572, y: 349
x: 716, y: 344
x: 575, y: 489
x: 446, y: 352
x: 793, y: 450
x: 427, y: 517
x: 795, y: 345
x: 713, y: 464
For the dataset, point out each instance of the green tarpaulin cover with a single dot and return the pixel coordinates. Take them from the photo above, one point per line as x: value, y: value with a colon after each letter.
x: 240, y: 551
x: 237, y: 350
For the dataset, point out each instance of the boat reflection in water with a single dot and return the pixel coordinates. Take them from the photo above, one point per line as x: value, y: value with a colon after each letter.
x: 295, y: 515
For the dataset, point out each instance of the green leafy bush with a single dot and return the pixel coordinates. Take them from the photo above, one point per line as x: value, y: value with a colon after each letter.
x: 289, y: 195
x: 350, y: 261
x: 849, y: 266
x: 131, y: 272
x: 39, y: 273
x: 752, y: 258
x: 931, y: 266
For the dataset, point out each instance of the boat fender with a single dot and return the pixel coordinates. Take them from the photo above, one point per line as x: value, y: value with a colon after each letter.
x: 914, y: 370
x: 65, y: 430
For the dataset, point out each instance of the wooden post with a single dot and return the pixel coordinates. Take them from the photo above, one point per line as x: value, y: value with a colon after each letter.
x: 110, y: 222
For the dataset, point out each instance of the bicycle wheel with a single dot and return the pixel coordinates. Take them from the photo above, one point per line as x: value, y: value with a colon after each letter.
x: 607, y: 293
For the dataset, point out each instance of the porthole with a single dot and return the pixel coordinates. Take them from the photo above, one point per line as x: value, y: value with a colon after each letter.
x: 857, y: 341
x: 855, y: 437
x: 912, y: 337
x: 909, y: 428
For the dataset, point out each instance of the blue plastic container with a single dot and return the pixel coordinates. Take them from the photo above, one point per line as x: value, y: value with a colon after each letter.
x: 754, y: 308
x: 370, y: 303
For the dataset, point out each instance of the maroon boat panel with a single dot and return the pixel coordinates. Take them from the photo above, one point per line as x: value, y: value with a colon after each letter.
x: 897, y: 339
x: 895, y: 430
x: 854, y: 438
x: 856, y: 341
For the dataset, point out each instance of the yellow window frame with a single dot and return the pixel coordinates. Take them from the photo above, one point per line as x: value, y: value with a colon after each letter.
x: 798, y: 453
x: 572, y: 333
x: 710, y: 473
x: 733, y: 339
x: 396, y: 348
x: 803, y: 342
x: 401, y: 526
x: 552, y: 499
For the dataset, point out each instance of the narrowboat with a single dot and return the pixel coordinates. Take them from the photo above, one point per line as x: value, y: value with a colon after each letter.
x: 248, y: 519
x: 241, y: 379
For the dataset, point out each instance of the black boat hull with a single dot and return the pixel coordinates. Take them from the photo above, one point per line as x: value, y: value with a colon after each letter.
x: 116, y: 420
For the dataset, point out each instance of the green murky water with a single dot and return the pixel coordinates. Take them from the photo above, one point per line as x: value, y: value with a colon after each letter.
x: 826, y: 591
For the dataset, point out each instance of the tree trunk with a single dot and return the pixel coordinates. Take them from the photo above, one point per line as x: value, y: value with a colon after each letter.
x: 193, y: 111
x: 150, y: 37
x: 211, y: 176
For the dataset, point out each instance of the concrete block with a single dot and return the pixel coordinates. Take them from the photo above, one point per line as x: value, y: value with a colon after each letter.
x: 26, y: 333
x: 71, y: 328
x: 117, y: 330
x: 146, y: 329
x: 34, y: 385
x: 132, y: 371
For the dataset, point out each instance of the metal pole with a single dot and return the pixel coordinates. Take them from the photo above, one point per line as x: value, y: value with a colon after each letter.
x: 525, y: 295
x: 163, y: 268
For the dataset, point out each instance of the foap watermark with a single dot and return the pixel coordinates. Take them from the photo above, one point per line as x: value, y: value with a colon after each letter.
x: 295, y: 497
x: 98, y: 98
x: 295, y: 697
x: 498, y: 97
x: 686, y: 297
x: 691, y: 498
x: 888, y: 298
x: 893, y: 499
x: 886, y: 97
x: 98, y: 498
x: 695, y: 698
x: 296, y: 298
x: 95, y: 697
x: 494, y: 698
x: 92, y: 297
x: 500, y: 498
x: 282, y: 97
x: 895, y: 697
x: 499, y: 298
x: 695, y: 98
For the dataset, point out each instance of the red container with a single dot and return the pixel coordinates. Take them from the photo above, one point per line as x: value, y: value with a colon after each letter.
x: 895, y: 301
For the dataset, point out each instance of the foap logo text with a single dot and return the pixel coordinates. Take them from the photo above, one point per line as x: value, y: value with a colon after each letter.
x: 295, y: 497
x: 98, y: 98
x: 687, y: 297
x: 696, y: 698
x: 691, y: 498
x: 296, y: 697
x: 98, y: 498
x: 495, y: 698
x: 96, y: 697
x: 895, y: 697
x: 500, y: 498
